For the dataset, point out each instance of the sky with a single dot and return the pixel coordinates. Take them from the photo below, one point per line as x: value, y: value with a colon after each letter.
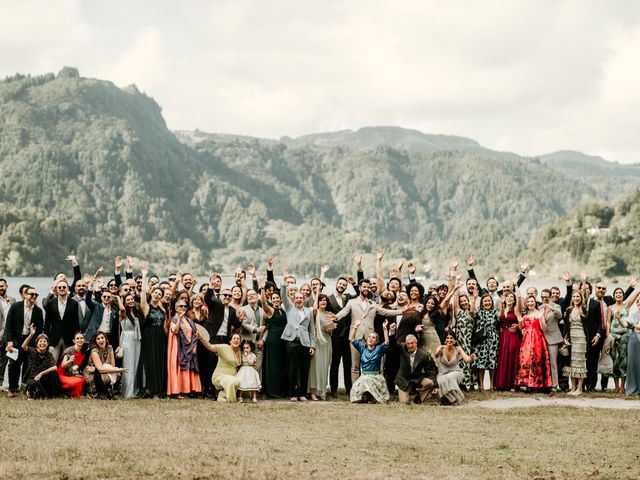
x: 530, y: 77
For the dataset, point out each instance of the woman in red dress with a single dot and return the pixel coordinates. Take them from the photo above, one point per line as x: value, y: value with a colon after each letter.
x: 509, y: 346
x: 535, y: 369
x: 73, y: 361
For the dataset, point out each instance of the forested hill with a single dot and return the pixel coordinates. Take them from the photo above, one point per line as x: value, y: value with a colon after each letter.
x: 91, y: 169
x: 602, y: 237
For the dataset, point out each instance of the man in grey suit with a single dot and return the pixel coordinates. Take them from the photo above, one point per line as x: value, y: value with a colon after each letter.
x: 300, y: 335
x: 363, y: 311
x: 552, y: 314
x: 253, y: 326
x: 5, y: 303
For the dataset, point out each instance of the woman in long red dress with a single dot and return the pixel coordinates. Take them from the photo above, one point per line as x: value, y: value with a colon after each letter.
x: 509, y: 345
x: 73, y: 361
x: 535, y: 368
x: 182, y: 363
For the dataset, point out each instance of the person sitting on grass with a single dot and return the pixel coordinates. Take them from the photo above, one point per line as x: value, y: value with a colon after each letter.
x: 370, y: 384
x: 74, y: 359
x: 42, y: 377
x: 100, y: 373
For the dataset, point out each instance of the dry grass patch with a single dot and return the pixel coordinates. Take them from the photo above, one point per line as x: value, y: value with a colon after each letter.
x: 203, y: 439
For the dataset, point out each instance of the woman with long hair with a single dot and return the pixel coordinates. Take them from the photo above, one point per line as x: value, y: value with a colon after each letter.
x: 153, y: 351
x: 274, y: 363
x: 130, y: 343
x: 617, y: 327
x: 508, y: 342
x: 576, y: 335
x: 101, y: 373
x: 535, y: 368
x: 464, y: 313
x: 74, y: 359
x: 319, y: 367
x: 450, y: 374
x: 487, y: 348
x: 182, y: 362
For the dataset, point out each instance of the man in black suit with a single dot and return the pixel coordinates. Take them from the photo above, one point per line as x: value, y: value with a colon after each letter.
x: 597, y: 322
x: 417, y: 372
x: 85, y: 303
x: 341, y: 349
x: 104, y: 318
x: 219, y: 324
x: 19, y: 320
x: 5, y: 303
x: 61, y: 319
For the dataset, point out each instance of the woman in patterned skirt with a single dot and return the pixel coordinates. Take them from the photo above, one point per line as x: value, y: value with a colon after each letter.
x: 487, y: 350
x: 464, y: 310
x: 576, y: 335
x: 617, y: 326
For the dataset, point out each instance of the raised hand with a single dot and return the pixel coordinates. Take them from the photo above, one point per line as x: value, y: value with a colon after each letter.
x: 455, y: 261
x: 251, y: 269
x: 238, y: 269
x: 350, y: 279
x: 358, y: 259
x: 566, y: 276
x: 380, y: 255
x: 400, y: 265
x: 324, y: 268
x: 144, y: 270
x: 524, y: 266
x: 470, y: 260
x: 385, y: 323
x: 118, y: 263
x: 71, y: 258
x: 634, y: 281
x: 392, y: 328
x: 130, y: 262
x: 271, y: 261
x: 411, y: 267
x: 261, y: 282
x: 99, y: 271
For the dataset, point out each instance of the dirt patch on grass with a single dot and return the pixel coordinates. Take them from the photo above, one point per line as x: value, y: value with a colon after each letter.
x: 538, y: 401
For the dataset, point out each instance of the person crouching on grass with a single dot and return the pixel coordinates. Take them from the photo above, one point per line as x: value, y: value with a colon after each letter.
x: 42, y: 375
x: 371, y: 383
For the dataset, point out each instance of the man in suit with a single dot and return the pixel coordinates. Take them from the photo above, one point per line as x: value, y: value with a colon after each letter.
x: 417, y: 373
x: 364, y: 310
x: 300, y: 335
x: 85, y: 304
x: 104, y: 318
x: 61, y: 320
x: 219, y: 323
x: 20, y: 317
x: 253, y: 326
x: 553, y: 314
x: 597, y: 321
x: 5, y: 304
x: 340, y: 347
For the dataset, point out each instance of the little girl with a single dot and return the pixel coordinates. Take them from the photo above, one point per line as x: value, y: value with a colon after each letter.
x: 247, y: 374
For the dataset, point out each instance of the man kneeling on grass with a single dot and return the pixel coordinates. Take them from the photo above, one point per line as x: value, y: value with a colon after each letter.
x: 370, y: 385
x: 417, y: 373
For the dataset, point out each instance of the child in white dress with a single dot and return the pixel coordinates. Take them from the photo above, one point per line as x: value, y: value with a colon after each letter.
x: 247, y: 374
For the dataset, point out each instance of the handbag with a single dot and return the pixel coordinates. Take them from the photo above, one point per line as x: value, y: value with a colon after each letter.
x: 119, y: 353
x: 564, y: 350
x: 605, y: 365
x: 478, y: 336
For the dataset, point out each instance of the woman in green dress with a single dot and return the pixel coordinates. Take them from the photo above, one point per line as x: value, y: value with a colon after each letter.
x: 274, y: 362
x: 224, y: 377
x: 617, y: 326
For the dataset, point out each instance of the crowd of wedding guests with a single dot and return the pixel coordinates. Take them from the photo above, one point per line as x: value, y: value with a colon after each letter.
x: 149, y: 337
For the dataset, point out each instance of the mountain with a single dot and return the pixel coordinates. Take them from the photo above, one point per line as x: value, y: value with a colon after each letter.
x: 596, y: 238
x: 92, y: 169
x: 578, y: 164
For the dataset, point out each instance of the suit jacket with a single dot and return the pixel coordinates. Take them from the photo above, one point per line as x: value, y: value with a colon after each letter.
x: 65, y: 327
x: 409, y: 378
x: 85, y: 318
x: 300, y: 323
x: 594, y: 320
x: 408, y: 325
x: 4, y: 320
x: 96, y: 320
x: 552, y: 317
x: 15, y: 322
x: 366, y: 315
x: 344, y: 324
x: 216, y: 316
x: 253, y: 320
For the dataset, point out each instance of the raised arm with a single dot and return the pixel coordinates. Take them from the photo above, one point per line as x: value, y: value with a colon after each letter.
x: 386, y: 331
x: 122, y: 313
x: 379, y: 276
x: 632, y: 299
x: 144, y: 305
x: 268, y: 311
x: 32, y: 331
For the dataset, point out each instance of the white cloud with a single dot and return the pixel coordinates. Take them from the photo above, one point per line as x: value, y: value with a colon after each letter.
x: 529, y: 76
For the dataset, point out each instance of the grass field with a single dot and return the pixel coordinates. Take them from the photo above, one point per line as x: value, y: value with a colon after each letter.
x: 276, y: 439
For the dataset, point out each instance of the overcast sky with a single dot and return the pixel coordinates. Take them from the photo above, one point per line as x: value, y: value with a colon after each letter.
x: 526, y: 76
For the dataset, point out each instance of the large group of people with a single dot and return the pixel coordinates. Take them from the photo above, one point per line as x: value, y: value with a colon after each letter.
x: 392, y: 337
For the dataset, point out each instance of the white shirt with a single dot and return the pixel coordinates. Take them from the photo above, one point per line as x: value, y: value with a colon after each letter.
x: 27, y: 318
x: 222, y: 331
x: 5, y: 306
x: 105, y: 325
x: 62, y: 307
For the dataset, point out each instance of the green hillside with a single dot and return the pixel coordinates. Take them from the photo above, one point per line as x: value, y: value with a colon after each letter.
x: 91, y: 169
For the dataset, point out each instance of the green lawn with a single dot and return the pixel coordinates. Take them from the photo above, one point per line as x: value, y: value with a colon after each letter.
x: 276, y: 439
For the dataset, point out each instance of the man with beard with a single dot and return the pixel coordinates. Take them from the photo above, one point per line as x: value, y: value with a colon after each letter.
x: 61, y: 320
x: 5, y: 303
x: 341, y: 349
x: 363, y: 312
x: 85, y: 303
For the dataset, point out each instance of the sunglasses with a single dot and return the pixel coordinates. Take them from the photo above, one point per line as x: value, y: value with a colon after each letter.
x: 601, y: 288
x: 34, y: 295
x: 181, y: 306
x: 112, y: 285
x: 62, y: 287
x: 225, y: 294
